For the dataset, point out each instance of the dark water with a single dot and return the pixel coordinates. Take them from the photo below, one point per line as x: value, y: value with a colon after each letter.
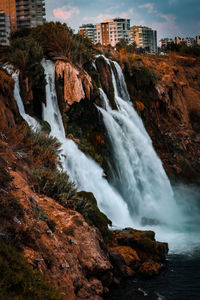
x: 180, y: 280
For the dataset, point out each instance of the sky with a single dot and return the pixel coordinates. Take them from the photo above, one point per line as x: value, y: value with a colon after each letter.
x: 169, y: 17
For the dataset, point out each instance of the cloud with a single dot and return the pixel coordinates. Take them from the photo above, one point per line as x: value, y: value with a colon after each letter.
x: 167, y: 25
x: 149, y: 6
x: 66, y: 12
x: 127, y: 14
x: 105, y: 16
x: 113, y: 8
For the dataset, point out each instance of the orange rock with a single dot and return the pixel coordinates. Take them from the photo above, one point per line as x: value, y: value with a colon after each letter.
x: 73, y: 256
x: 8, y: 106
x: 140, y: 106
x: 150, y: 268
x: 77, y: 83
x: 128, y: 254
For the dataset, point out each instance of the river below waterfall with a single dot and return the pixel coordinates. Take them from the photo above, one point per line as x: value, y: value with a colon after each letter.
x: 179, y: 280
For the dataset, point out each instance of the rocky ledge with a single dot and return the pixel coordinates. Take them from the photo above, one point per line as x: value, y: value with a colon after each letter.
x: 134, y: 252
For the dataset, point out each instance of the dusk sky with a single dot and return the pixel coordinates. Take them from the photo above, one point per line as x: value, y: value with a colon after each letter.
x: 169, y: 17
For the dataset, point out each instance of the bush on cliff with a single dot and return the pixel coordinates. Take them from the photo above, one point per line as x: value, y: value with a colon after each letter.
x: 86, y: 204
x: 19, y: 281
x: 124, y: 44
x: 44, y: 156
x: 183, y: 49
x: 26, y: 54
x: 53, y: 39
x: 55, y: 184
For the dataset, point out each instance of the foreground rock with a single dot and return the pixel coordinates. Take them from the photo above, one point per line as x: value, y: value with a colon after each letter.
x: 136, y: 252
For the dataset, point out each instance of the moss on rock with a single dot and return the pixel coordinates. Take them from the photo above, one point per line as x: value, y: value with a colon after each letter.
x: 86, y: 204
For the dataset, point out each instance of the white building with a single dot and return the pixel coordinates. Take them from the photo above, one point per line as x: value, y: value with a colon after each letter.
x: 110, y: 32
x: 144, y: 37
x: 88, y: 30
x: 4, y: 28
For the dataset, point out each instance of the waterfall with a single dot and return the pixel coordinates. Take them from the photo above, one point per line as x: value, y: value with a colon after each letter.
x: 138, y: 192
x: 138, y: 174
x: 31, y: 121
x: 81, y: 169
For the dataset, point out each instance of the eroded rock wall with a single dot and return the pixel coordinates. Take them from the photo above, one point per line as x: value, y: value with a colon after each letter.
x: 77, y: 83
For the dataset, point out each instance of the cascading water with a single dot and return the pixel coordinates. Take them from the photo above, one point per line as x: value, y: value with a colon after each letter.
x: 139, y: 189
x: 138, y: 174
x: 81, y: 169
x: 31, y: 121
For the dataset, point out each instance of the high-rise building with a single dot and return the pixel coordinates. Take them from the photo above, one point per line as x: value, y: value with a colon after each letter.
x: 110, y: 32
x: 198, y: 40
x: 24, y: 13
x: 4, y: 28
x: 9, y: 8
x: 30, y: 13
x: 88, y: 30
x: 144, y: 37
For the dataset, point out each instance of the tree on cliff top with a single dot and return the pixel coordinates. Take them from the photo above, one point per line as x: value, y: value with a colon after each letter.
x: 55, y: 40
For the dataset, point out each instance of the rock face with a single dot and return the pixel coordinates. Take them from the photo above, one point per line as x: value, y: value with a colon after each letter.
x: 55, y: 240
x: 8, y: 108
x: 133, y: 251
x: 77, y: 83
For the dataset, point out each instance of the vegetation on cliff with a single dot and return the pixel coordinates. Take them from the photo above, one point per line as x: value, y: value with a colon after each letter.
x: 183, y: 49
x: 19, y: 280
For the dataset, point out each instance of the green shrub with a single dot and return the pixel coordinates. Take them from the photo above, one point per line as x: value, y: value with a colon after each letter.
x: 51, y: 40
x: 86, y: 204
x: 18, y: 281
x: 55, y: 184
x: 41, y: 215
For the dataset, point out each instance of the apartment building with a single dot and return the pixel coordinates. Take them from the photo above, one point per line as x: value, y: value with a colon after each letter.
x: 88, y: 30
x: 144, y: 37
x: 110, y: 32
x: 163, y: 43
x: 9, y: 8
x: 30, y: 13
x: 198, y: 40
x: 24, y: 13
x: 4, y: 28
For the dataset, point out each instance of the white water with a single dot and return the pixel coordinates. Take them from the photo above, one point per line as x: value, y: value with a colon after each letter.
x: 31, y: 121
x: 81, y: 169
x: 139, y: 187
x: 138, y: 174
x: 139, y: 177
